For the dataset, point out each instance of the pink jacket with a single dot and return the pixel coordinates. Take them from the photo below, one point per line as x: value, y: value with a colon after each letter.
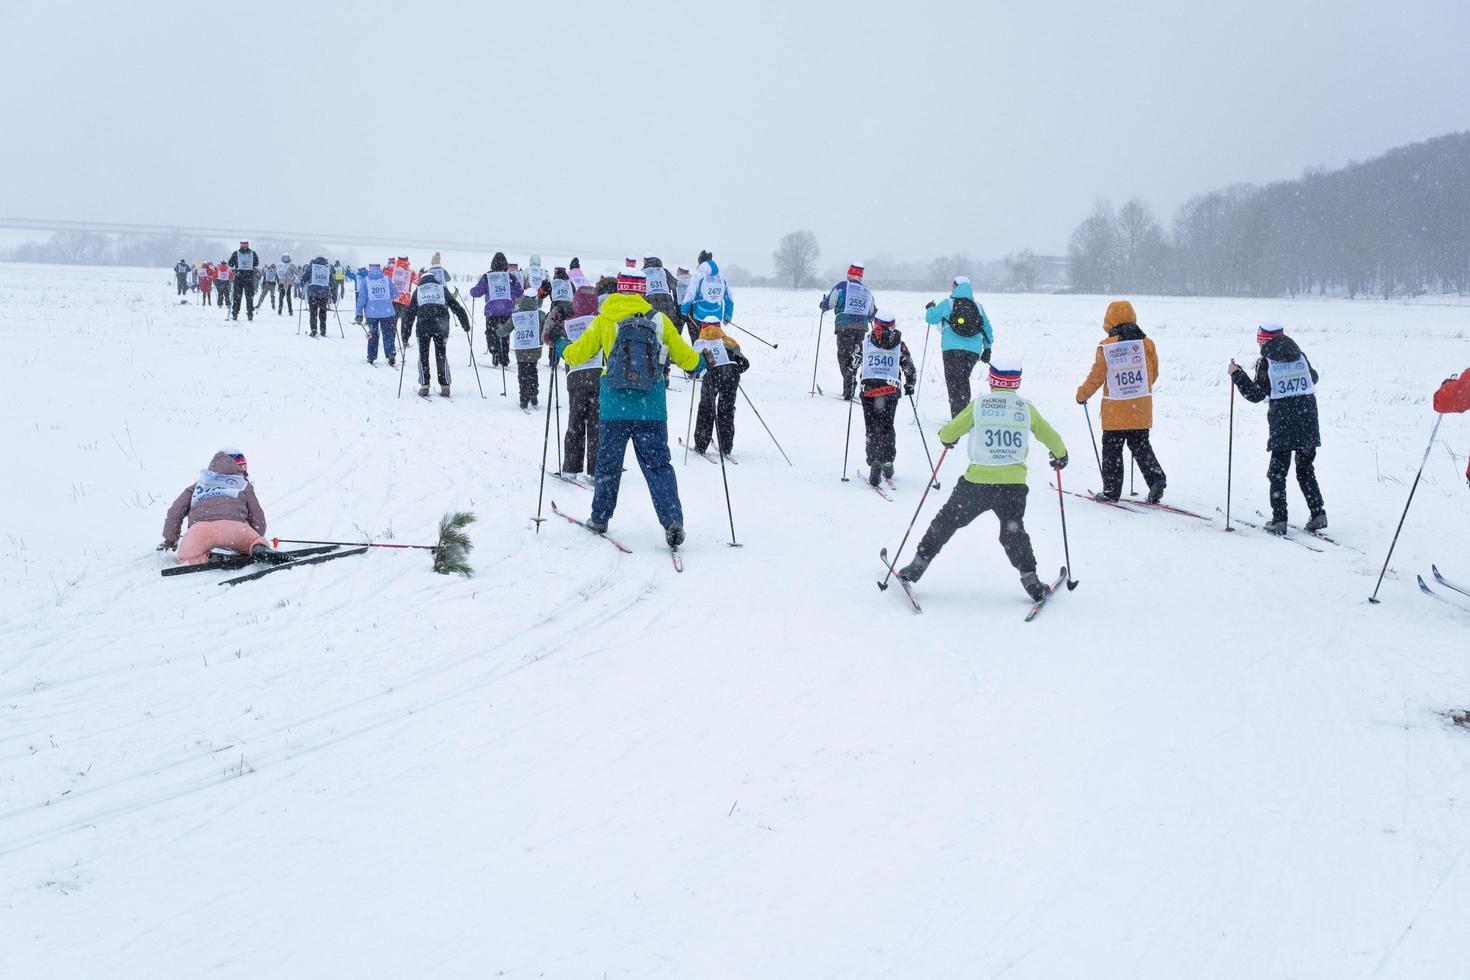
x: 222, y: 493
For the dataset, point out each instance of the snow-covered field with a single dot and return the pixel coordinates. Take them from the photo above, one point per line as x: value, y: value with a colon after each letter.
x: 1213, y: 759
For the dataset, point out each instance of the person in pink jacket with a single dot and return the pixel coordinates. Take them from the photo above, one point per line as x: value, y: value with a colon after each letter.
x: 223, y: 512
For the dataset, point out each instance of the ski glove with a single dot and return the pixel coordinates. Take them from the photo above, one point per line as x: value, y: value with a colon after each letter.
x: 167, y: 546
x: 908, y: 389
x: 985, y: 355
x: 929, y: 305
x: 1058, y: 462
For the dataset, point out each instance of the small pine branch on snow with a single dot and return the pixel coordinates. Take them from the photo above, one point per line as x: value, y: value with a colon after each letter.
x: 451, y: 554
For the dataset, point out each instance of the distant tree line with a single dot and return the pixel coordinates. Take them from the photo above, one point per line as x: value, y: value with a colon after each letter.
x: 796, y: 255
x: 1396, y: 225
x: 101, y: 248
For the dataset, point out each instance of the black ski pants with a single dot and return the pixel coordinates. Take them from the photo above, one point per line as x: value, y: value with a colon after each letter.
x: 584, y: 397
x: 1306, y: 478
x: 849, y: 346
x: 957, y: 367
x: 283, y: 299
x: 437, y: 335
x: 881, y: 443
x: 222, y: 289
x: 317, y: 307
x: 183, y: 282
x: 528, y: 380
x: 244, y: 283
x: 969, y: 501
x: 1112, y: 459
x: 496, y: 344
x: 717, y: 409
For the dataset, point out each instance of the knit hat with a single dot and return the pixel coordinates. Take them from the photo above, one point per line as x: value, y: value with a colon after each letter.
x: 436, y: 259
x: 1269, y: 331
x: 237, y: 456
x: 244, y: 244
x: 958, y: 280
x: 883, y: 318
x: 855, y: 271
x: 629, y: 262
x: 681, y: 271
x: 632, y: 280
x: 1005, y: 372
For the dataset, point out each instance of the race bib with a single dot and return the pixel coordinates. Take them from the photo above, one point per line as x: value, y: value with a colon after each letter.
x: 880, y: 364
x: 575, y: 328
x: 712, y: 291
x: 431, y: 294
x: 561, y: 291
x: 497, y: 286
x: 856, y: 299
x: 283, y: 270
x: 377, y: 290
x: 1290, y: 379
x: 535, y: 276
x: 719, y: 354
x: 212, y: 484
x: 401, y: 278
x: 320, y: 274
x: 658, y: 280
x: 1127, y: 368
x: 1002, y: 433
x: 526, y: 330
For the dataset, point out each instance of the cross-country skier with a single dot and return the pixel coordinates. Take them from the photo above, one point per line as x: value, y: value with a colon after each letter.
x: 405, y: 279
x: 853, y: 303
x: 1125, y: 367
x: 633, y: 405
x: 222, y: 277
x: 1288, y: 380
x: 268, y: 285
x: 724, y: 363
x: 206, y: 282
x: 966, y: 337
x: 500, y: 290
x: 223, y: 512
x: 316, y: 282
x: 537, y: 283
x: 1454, y: 396
x: 375, y: 295
x: 708, y: 293
x: 528, y: 325
x: 1000, y: 425
x: 339, y: 280
x: 879, y: 361
x: 583, y: 385
x: 430, y: 307
x: 245, y: 268
x: 181, y: 276
x: 285, y: 285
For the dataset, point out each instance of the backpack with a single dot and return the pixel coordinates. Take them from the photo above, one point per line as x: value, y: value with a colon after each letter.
x: 964, y: 317
x: 634, y: 364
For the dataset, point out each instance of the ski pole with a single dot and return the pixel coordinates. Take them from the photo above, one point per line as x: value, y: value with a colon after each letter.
x: 689, y: 429
x: 1100, y: 474
x: 470, y: 339
x: 755, y: 335
x: 338, y: 314
x: 914, y: 405
x: 277, y: 542
x: 933, y: 482
x: 402, y: 359
x: 726, y: 480
x: 847, y: 445
x: 1230, y: 458
x: 1072, y: 583
x: 556, y: 400
x: 923, y: 359
x: 545, y: 438
x: 766, y: 427
x: 298, y: 319
x: 1374, y: 597
x: 818, y: 354
x: 1131, y: 491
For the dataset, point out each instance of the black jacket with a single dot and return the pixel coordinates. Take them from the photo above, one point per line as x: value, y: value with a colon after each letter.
x: 1293, y: 421
x: 433, y: 319
x: 248, y: 274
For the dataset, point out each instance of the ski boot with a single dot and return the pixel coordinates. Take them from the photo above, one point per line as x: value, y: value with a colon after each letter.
x: 391, y: 361
x: 914, y: 570
x: 1276, y: 526
x: 674, y: 534
x: 888, y: 471
x: 1105, y: 498
x: 1317, y: 522
x: 443, y: 391
x: 268, y: 555
x: 423, y: 391
x: 874, y: 473
x: 1034, y: 586
x: 1156, y: 492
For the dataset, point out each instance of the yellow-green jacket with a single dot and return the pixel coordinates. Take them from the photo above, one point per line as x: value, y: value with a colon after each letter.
x: 1013, y: 473
x: 603, y: 331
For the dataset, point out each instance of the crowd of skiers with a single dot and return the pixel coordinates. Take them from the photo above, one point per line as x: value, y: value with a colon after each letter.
x: 244, y: 278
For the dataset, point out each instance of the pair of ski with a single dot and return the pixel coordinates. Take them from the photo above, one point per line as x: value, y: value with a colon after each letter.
x: 908, y: 590
x: 1134, y: 506
x: 1296, y: 535
x: 572, y: 478
x: 1439, y: 577
x: 862, y: 481
x: 673, y: 552
x: 710, y: 456
x: 302, y: 556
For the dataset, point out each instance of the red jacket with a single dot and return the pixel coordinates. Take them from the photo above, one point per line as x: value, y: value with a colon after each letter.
x: 405, y: 293
x: 1454, y: 394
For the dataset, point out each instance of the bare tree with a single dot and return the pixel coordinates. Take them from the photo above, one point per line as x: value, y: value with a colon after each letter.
x: 1022, y: 269
x: 796, y: 258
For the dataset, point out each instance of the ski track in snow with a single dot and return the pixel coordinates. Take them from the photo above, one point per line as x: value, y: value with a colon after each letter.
x: 1213, y: 759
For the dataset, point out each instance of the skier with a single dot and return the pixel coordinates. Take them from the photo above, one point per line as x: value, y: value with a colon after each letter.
x: 268, y: 284
x: 632, y: 402
x: 285, y: 277
x: 245, y: 267
x: 724, y: 365
x: 1454, y: 396
x: 1126, y: 366
x: 437, y: 270
x: 316, y: 280
x: 681, y: 282
x: 403, y: 277
x: 375, y: 294
x: 206, y: 281
x: 1287, y: 378
x: 708, y: 293
x: 430, y: 307
x: 661, y: 291
x: 339, y: 280
x: 1000, y: 425
x: 583, y: 386
x: 222, y: 277
x: 223, y: 512
x: 537, y: 282
x: 575, y: 273
x: 853, y: 303
x: 181, y: 276
x: 500, y: 290
x: 966, y: 337
x: 527, y: 326
x: 879, y: 361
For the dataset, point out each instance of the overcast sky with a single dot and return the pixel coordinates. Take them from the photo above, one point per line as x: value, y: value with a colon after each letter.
x: 916, y: 128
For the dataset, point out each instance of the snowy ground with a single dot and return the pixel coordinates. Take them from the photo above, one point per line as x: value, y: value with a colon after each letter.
x: 1213, y: 759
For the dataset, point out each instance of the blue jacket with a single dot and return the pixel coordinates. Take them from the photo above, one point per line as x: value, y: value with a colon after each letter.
x: 381, y: 310
x: 836, y: 298
x: 939, y: 313
x: 692, y: 303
